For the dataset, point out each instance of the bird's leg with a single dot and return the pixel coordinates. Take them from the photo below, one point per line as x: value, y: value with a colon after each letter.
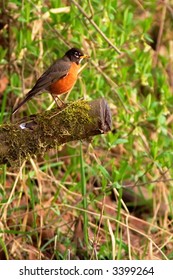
x: 57, y: 98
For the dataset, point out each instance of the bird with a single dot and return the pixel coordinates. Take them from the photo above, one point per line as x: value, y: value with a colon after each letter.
x: 59, y: 78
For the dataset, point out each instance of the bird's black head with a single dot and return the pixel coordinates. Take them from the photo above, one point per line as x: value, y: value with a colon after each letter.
x: 75, y: 55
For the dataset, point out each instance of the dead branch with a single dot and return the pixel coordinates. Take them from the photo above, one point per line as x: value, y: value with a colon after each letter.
x: 37, y: 134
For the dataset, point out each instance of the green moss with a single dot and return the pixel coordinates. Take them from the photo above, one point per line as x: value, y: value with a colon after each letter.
x: 47, y: 130
x: 73, y: 113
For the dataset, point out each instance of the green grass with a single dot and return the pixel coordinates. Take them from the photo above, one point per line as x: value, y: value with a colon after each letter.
x: 112, y: 196
x: 84, y: 193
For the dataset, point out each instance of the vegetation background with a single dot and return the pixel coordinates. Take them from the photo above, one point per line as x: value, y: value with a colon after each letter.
x: 109, y: 198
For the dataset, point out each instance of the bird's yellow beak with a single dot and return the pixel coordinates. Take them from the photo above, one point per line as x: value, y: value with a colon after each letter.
x: 84, y: 56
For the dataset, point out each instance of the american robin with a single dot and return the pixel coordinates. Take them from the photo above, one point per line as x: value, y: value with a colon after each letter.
x: 59, y: 78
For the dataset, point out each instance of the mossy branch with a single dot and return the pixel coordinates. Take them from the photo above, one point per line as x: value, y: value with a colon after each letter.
x: 38, y: 133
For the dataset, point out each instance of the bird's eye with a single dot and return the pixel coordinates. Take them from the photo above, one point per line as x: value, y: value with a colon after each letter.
x: 76, y: 54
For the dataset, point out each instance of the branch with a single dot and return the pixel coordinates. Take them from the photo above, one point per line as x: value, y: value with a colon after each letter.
x: 96, y: 26
x: 78, y: 120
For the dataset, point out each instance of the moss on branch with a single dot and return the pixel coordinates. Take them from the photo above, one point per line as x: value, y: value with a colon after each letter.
x: 35, y: 135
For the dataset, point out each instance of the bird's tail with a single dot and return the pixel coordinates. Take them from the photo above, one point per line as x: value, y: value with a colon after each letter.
x: 29, y: 95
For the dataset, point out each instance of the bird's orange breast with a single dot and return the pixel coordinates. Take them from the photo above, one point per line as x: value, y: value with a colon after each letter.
x: 66, y: 83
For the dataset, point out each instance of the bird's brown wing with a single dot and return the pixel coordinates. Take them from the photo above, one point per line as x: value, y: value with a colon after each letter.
x: 56, y: 71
